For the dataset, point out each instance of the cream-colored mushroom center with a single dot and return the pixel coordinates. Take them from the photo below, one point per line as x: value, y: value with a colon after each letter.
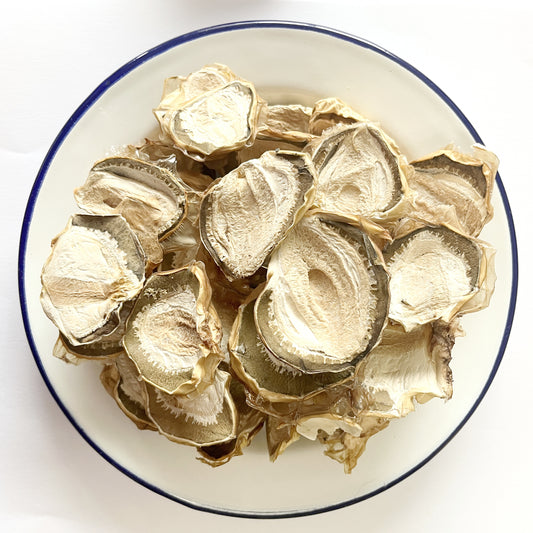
x: 145, y: 208
x: 220, y: 119
x: 439, y: 192
x: 167, y: 332
x: 322, y: 298
x: 87, y: 277
x: 428, y: 278
x: 358, y: 178
x: 251, y: 209
x: 201, y: 408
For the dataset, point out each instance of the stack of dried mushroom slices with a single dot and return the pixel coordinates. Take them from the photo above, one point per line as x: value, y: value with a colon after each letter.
x: 270, y: 263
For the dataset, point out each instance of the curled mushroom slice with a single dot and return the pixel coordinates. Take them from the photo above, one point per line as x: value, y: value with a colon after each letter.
x: 285, y: 122
x: 201, y: 419
x: 280, y: 435
x: 405, y: 366
x: 96, y: 265
x: 173, y: 332
x: 206, y: 120
x: 327, y: 296
x: 250, y: 422
x: 263, y: 374
x: 247, y: 212
x: 434, y: 273
x: 454, y: 189
x: 123, y: 382
x: 359, y: 172
x: 105, y: 348
x: 169, y: 157
x: 346, y: 448
x: 178, y: 89
x: 182, y: 245
x: 149, y: 197
x: 329, y: 112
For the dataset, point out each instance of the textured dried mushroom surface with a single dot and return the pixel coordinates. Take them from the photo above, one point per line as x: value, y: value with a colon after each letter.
x: 270, y: 265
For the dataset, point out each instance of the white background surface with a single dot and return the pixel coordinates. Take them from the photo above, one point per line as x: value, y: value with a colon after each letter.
x: 54, y: 53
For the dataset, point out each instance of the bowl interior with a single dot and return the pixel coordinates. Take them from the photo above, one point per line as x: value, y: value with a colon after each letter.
x: 290, y: 64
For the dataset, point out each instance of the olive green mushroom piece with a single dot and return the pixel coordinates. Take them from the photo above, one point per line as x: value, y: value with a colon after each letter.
x: 454, y: 189
x: 173, y: 333
x: 270, y: 264
x: 149, y: 197
x: 326, y: 298
x: 96, y: 265
x: 250, y: 210
x: 360, y: 171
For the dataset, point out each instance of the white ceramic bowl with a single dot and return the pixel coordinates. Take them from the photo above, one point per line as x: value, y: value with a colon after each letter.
x: 286, y: 61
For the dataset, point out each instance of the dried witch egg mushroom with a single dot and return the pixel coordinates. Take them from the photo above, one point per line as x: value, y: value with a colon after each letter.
x: 149, y: 197
x: 346, y: 448
x: 263, y: 374
x: 124, y: 384
x: 246, y: 213
x: 327, y: 296
x: 107, y: 347
x: 329, y: 112
x: 173, y: 333
x: 250, y: 422
x: 434, y: 273
x: 405, y: 366
x: 96, y: 265
x: 454, y: 188
x: 285, y: 123
x: 211, y: 114
x: 360, y: 171
x: 320, y: 269
x: 200, y: 419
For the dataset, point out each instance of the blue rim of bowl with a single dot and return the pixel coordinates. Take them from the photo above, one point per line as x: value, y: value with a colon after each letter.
x: 120, y: 73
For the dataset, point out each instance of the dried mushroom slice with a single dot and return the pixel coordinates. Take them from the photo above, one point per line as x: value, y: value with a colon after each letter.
x: 250, y: 422
x: 96, y: 265
x: 263, y: 374
x: 280, y: 435
x: 105, y: 348
x: 208, y: 119
x: 122, y: 381
x: 149, y: 197
x: 178, y: 89
x: 454, y: 189
x: 173, y: 333
x: 182, y: 245
x: 329, y: 112
x: 61, y: 352
x: 404, y: 367
x: 434, y: 272
x: 360, y: 171
x: 286, y: 123
x: 247, y: 212
x: 326, y: 298
x: 346, y: 448
x: 312, y: 426
x: 203, y: 419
